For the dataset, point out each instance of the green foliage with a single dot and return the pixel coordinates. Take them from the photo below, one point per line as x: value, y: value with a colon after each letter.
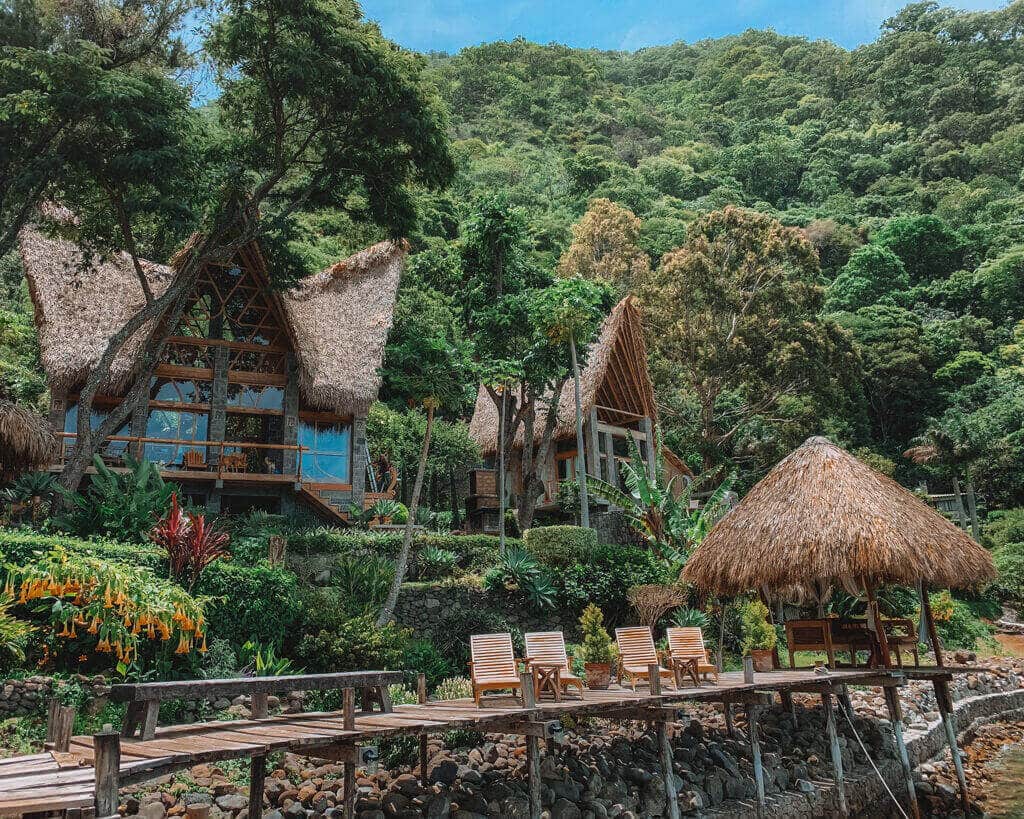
x: 261, y: 603
x: 925, y: 244
x: 1002, y: 527
x: 597, y: 644
x: 363, y: 580
x: 120, y: 504
x: 694, y: 618
x: 1009, y: 584
x: 476, y: 552
x: 14, y: 636
x: 435, y: 564
x: 22, y: 545
x: 423, y: 657
x: 957, y: 625
x: 333, y: 644
x: 517, y: 572
x: 263, y: 661
x: 456, y: 623
x: 604, y: 577
x: 559, y: 546
x: 874, y: 273
x: 454, y: 688
x: 757, y: 631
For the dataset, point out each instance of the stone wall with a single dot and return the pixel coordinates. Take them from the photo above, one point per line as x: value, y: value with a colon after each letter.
x: 31, y: 695
x: 426, y: 608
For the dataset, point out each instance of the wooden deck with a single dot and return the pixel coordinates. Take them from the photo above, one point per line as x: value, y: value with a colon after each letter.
x: 55, y: 781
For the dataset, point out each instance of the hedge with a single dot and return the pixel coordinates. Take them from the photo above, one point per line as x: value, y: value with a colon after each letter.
x: 560, y: 546
x: 261, y: 603
x: 20, y: 545
x: 474, y: 551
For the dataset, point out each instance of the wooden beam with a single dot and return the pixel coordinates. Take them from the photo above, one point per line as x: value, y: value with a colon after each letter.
x: 421, y: 698
x: 755, y: 748
x: 945, y: 701
x: 929, y: 618
x: 348, y: 709
x: 892, y: 703
x: 107, y: 762
x: 257, y: 776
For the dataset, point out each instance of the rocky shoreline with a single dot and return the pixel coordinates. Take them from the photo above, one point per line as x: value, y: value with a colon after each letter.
x: 610, y: 770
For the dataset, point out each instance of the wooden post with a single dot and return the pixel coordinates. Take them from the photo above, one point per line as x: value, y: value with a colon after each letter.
x: 533, y: 773
x: 665, y: 757
x: 529, y: 695
x: 881, y: 639
x: 60, y: 720
x: 755, y: 747
x: 107, y: 762
x: 946, y: 709
x: 929, y: 619
x: 258, y: 706
x: 348, y: 715
x: 421, y: 696
x: 257, y: 776
x: 892, y: 702
x: 845, y: 701
x: 786, y: 698
x: 837, y: 756
x: 654, y: 679
x: 730, y: 726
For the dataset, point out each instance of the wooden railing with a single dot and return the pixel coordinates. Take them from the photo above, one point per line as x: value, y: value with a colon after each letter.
x: 189, y: 445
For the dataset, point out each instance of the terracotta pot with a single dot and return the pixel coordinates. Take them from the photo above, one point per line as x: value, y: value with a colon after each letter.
x: 762, y: 658
x: 599, y: 675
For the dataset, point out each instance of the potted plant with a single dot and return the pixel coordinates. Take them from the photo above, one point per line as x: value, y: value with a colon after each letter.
x: 598, y: 650
x: 759, y: 637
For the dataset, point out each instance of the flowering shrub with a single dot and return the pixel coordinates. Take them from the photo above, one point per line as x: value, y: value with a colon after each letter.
x: 120, y: 604
x: 191, y: 543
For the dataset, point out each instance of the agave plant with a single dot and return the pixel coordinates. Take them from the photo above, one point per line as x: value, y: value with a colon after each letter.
x: 518, y: 570
x: 692, y: 618
x: 666, y: 522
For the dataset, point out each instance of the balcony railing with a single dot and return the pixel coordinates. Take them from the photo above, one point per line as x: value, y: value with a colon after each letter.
x: 191, y: 456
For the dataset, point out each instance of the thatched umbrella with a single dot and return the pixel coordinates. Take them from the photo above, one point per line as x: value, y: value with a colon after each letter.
x: 821, y: 518
x: 27, y: 440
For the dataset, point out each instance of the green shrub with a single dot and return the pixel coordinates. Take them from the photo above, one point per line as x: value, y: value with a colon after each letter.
x: 22, y: 545
x: 517, y: 572
x: 436, y: 564
x: 454, y: 688
x: 758, y: 633
x: 353, y: 645
x: 1009, y: 584
x: 560, y: 546
x: 605, y: 577
x: 423, y: 657
x: 597, y: 644
x: 1003, y: 527
x: 691, y: 618
x: 364, y: 581
x: 260, y: 603
x: 956, y: 623
x: 14, y: 635
x: 456, y: 624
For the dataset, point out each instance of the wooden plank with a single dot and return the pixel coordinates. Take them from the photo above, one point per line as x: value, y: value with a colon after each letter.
x: 131, y: 692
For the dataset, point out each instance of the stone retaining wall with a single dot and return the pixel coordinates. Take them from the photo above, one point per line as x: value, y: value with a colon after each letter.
x: 31, y: 695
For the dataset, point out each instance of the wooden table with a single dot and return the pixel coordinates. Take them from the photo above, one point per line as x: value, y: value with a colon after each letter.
x: 685, y: 666
x: 547, y: 677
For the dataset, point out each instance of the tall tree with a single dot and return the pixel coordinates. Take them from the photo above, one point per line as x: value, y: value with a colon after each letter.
x: 317, y: 111
x: 734, y: 328
x: 430, y: 364
x: 604, y: 247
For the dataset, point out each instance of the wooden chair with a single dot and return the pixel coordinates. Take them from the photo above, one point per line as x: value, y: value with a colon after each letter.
x: 901, y: 635
x: 636, y: 652
x: 193, y: 459
x: 687, y: 643
x: 547, y: 648
x: 493, y: 666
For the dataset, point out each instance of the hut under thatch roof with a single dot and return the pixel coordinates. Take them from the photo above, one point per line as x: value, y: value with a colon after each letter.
x: 822, y: 516
x: 27, y: 441
x: 338, y: 319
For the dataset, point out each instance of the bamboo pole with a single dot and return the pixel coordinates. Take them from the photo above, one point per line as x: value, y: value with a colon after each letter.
x: 755, y: 747
x: 892, y: 702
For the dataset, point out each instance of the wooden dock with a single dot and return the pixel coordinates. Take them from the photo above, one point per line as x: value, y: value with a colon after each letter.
x: 56, y: 781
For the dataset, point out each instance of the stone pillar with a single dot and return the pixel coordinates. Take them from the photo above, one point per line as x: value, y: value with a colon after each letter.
x: 290, y: 433
x: 647, y: 428
x: 610, y: 471
x: 358, y: 466
x: 591, y: 444
x: 218, y: 401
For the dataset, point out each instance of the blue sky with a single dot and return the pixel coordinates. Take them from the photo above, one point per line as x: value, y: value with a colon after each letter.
x: 448, y: 25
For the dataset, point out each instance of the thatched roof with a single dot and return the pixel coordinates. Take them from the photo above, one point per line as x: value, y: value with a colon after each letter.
x: 823, y: 515
x: 27, y: 440
x: 339, y: 318
x: 616, y: 375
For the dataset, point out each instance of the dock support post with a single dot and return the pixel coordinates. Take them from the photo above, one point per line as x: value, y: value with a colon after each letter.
x: 892, y: 702
x: 755, y: 748
x: 946, y: 710
x: 532, y: 748
x: 257, y: 776
x: 664, y: 747
x: 258, y: 706
x: 421, y: 695
x: 730, y: 726
x: 786, y: 698
x: 348, y: 714
x: 107, y: 761
x: 844, y: 699
x: 837, y: 756
x: 59, y: 721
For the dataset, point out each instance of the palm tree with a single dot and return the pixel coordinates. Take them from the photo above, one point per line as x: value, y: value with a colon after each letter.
x: 671, y: 528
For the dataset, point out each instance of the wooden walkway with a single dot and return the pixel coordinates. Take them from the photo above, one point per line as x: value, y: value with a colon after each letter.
x: 65, y: 781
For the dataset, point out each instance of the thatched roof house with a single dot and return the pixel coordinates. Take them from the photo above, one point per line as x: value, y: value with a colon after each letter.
x: 821, y: 515
x: 27, y: 441
x: 615, y: 377
x: 338, y: 319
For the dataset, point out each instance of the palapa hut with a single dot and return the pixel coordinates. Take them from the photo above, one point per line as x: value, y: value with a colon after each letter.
x: 820, y: 519
x: 250, y: 375
x: 26, y: 440
x: 617, y: 402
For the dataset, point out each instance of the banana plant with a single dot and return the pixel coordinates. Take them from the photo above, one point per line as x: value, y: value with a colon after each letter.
x: 666, y: 522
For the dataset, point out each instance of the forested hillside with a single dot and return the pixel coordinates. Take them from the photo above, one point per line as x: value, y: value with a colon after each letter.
x: 902, y: 161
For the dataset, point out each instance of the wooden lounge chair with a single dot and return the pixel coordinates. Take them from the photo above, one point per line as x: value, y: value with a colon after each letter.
x: 493, y: 666
x: 636, y: 652
x: 687, y: 643
x: 547, y: 648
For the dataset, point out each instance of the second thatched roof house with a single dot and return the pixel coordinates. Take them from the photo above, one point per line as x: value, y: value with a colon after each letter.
x: 618, y: 404
x: 261, y: 396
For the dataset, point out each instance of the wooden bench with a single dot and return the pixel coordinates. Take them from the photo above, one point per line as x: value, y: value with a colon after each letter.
x: 144, y: 698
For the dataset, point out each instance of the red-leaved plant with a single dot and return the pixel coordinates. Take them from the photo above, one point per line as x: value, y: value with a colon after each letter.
x: 191, y: 543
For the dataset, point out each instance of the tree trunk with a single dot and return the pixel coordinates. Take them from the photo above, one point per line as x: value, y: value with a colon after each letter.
x: 721, y: 634
x: 972, y: 508
x: 387, y: 613
x: 501, y: 473
x: 581, y: 469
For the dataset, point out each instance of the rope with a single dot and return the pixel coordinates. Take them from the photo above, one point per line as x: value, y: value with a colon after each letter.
x: 878, y: 773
